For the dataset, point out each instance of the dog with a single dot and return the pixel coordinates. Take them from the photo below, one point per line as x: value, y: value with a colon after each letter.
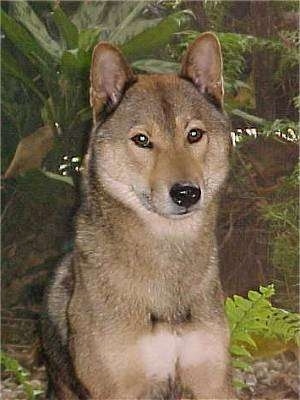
x: 136, y: 310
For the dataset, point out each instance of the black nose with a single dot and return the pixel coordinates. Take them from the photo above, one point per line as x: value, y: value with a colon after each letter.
x: 185, y: 194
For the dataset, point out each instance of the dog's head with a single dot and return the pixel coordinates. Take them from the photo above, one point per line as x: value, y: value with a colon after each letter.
x: 163, y: 147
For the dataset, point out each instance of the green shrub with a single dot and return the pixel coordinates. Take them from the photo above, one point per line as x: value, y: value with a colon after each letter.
x: 253, y: 320
x: 11, y: 365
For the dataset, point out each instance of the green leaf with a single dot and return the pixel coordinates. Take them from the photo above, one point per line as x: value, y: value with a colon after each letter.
x: 234, y: 313
x: 267, y: 291
x: 88, y: 38
x: 258, y: 325
x: 67, y: 28
x: 25, y: 42
x: 244, y: 337
x: 48, y: 112
x: 156, y: 66
x: 25, y: 15
x: 254, y: 296
x: 117, y: 35
x: 138, y: 26
x: 260, y: 320
x: 144, y: 44
x: 89, y: 15
x: 237, y: 383
x: 13, y: 68
x: 20, y: 374
x: 244, y: 304
x: 243, y: 365
x: 75, y: 63
x: 68, y: 64
x: 248, y: 117
x: 85, y: 114
x: 65, y: 179
x: 132, y: 25
x: 239, y: 351
x: 229, y: 305
x: 37, y: 392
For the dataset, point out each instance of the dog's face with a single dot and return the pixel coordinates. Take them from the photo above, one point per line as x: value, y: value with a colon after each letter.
x: 164, y: 147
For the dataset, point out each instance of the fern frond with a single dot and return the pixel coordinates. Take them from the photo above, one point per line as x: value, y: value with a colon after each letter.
x: 254, y: 320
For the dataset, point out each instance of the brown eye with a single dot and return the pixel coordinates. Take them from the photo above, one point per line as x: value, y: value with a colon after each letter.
x: 195, y: 135
x: 142, y: 140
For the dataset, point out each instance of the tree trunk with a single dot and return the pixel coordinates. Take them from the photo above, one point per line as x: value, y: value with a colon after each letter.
x: 264, y: 61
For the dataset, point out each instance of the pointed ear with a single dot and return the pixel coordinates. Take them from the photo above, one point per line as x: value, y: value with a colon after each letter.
x: 110, y: 75
x: 202, y: 64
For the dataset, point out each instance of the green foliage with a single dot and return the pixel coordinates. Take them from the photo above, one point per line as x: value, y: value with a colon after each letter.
x: 11, y: 365
x: 284, y: 126
x: 152, y: 39
x: 56, y: 70
x: 234, y: 48
x: 282, y: 216
x: 61, y: 78
x: 63, y: 92
x: 286, y: 49
x: 22, y: 12
x: 155, y: 66
x: 68, y: 30
x: 255, y: 317
x: 216, y: 10
x: 130, y: 26
x: 296, y: 101
x: 25, y: 42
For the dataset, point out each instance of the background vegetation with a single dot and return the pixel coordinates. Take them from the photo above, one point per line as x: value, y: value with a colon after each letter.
x: 46, y: 53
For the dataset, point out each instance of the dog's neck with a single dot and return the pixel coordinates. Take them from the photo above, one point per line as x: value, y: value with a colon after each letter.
x: 163, y: 244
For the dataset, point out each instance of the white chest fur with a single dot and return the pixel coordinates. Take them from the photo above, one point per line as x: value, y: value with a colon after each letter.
x: 161, y: 352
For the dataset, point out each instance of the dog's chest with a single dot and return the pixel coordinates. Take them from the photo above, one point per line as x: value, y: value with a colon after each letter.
x: 162, y: 352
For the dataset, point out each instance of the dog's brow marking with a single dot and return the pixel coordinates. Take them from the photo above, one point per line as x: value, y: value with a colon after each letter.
x: 188, y: 120
x: 168, y: 113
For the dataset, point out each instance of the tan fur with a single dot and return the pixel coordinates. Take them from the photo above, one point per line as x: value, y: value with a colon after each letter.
x: 146, y: 308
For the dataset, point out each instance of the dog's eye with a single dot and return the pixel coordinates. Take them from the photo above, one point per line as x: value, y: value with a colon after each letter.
x: 195, y: 135
x: 142, y: 140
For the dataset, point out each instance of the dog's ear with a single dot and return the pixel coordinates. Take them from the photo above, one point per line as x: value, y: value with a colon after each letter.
x: 110, y: 75
x: 202, y: 64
